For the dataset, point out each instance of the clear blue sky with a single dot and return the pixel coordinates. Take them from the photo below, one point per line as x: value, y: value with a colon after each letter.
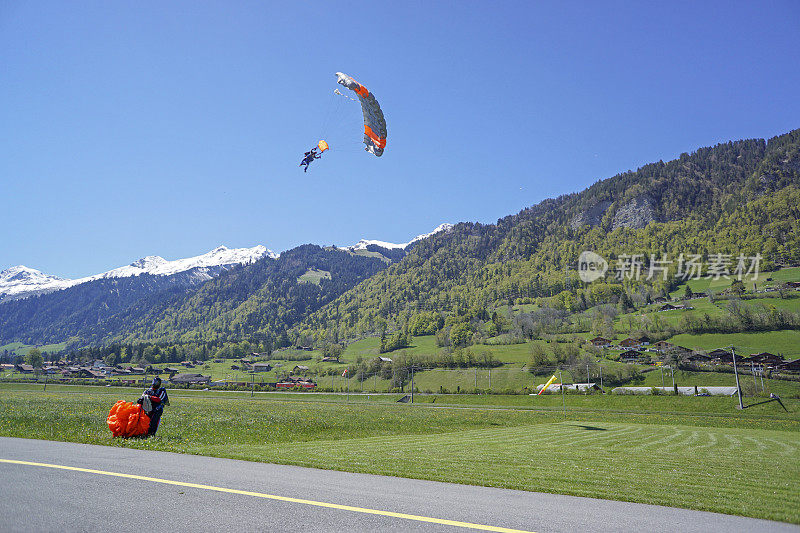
x: 167, y: 128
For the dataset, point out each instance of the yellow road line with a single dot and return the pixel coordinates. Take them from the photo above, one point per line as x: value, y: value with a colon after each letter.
x: 417, y: 518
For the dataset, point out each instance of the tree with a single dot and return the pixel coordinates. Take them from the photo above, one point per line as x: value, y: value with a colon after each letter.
x: 687, y: 293
x: 35, y: 359
x: 460, y: 334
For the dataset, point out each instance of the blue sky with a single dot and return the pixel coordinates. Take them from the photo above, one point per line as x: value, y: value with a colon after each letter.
x: 167, y: 128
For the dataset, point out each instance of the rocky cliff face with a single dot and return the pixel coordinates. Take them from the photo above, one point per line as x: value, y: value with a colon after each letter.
x: 590, y: 217
x: 635, y: 214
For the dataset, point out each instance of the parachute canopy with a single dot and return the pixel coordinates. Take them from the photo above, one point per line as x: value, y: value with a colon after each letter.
x: 322, y: 146
x: 374, y: 123
x: 127, y: 419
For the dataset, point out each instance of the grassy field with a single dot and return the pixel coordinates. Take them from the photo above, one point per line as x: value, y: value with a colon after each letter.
x: 779, y: 277
x: 314, y: 276
x: 786, y: 342
x: 686, y: 452
x: 18, y: 348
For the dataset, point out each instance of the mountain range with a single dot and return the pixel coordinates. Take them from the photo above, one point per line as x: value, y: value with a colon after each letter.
x: 36, y: 307
x: 739, y: 197
x: 21, y: 282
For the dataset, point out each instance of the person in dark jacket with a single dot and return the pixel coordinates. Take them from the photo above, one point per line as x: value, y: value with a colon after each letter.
x: 310, y: 156
x: 157, y: 396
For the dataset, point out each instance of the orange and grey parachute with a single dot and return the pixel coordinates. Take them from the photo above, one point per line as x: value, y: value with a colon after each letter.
x: 374, y: 123
x: 127, y: 420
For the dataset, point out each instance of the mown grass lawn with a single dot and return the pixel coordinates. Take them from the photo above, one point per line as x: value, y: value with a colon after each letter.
x: 698, y: 453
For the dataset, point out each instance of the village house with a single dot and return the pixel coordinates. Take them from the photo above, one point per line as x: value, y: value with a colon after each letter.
x: 189, y: 379
x: 790, y: 366
x: 600, y: 342
x: 698, y: 357
x: 382, y: 359
x: 721, y: 356
x: 767, y: 359
x: 262, y: 367
x: 662, y: 346
x: 630, y: 343
x: 91, y: 373
x: 630, y: 356
x: 300, y: 368
x: 293, y: 381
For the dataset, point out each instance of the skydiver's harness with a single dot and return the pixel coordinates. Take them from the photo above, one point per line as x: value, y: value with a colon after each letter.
x: 309, y: 157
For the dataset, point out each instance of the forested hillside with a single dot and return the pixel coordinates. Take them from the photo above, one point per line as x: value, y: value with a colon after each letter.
x: 737, y: 197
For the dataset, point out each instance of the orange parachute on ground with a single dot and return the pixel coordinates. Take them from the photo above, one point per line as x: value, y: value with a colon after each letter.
x: 127, y: 419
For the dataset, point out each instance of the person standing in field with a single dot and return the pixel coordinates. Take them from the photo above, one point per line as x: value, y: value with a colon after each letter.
x: 153, y: 401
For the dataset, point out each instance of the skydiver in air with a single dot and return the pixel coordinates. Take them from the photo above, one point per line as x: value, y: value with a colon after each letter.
x: 309, y: 157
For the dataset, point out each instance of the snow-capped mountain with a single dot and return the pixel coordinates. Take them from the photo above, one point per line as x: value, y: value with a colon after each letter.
x: 364, y: 243
x: 21, y: 281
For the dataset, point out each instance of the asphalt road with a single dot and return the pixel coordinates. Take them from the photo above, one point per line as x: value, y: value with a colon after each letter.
x: 244, y: 496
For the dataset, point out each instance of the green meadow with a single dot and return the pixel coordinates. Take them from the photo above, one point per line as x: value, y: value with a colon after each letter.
x: 699, y: 453
x: 785, y: 342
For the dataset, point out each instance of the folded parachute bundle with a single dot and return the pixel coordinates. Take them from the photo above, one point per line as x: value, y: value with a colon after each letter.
x: 127, y: 420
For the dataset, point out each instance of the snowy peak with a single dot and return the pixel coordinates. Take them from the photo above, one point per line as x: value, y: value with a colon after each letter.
x: 23, y: 274
x: 21, y: 281
x: 363, y: 243
x: 158, y: 266
x: 151, y: 261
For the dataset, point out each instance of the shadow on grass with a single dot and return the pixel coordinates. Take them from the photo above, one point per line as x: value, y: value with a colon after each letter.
x: 590, y: 428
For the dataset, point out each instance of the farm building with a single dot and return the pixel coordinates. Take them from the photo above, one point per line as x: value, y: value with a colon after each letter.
x: 790, y: 366
x: 188, y: 379
x: 698, y: 357
x: 631, y: 356
x: 262, y: 367
x: 630, y: 343
x: 580, y: 387
x: 766, y: 358
x: 293, y: 381
x: 662, y: 346
x: 601, y: 342
x: 683, y: 391
x: 720, y: 355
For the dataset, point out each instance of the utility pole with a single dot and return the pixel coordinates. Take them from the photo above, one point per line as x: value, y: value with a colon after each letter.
x: 587, y: 372
x: 661, y: 367
x: 490, y: 378
x: 563, y: 401
x: 736, y: 372
x: 753, y: 371
x: 601, y: 376
x: 476, y: 379
x: 412, y: 383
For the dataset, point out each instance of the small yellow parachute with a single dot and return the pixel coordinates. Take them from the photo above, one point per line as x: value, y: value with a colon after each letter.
x: 322, y: 146
x: 127, y: 419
